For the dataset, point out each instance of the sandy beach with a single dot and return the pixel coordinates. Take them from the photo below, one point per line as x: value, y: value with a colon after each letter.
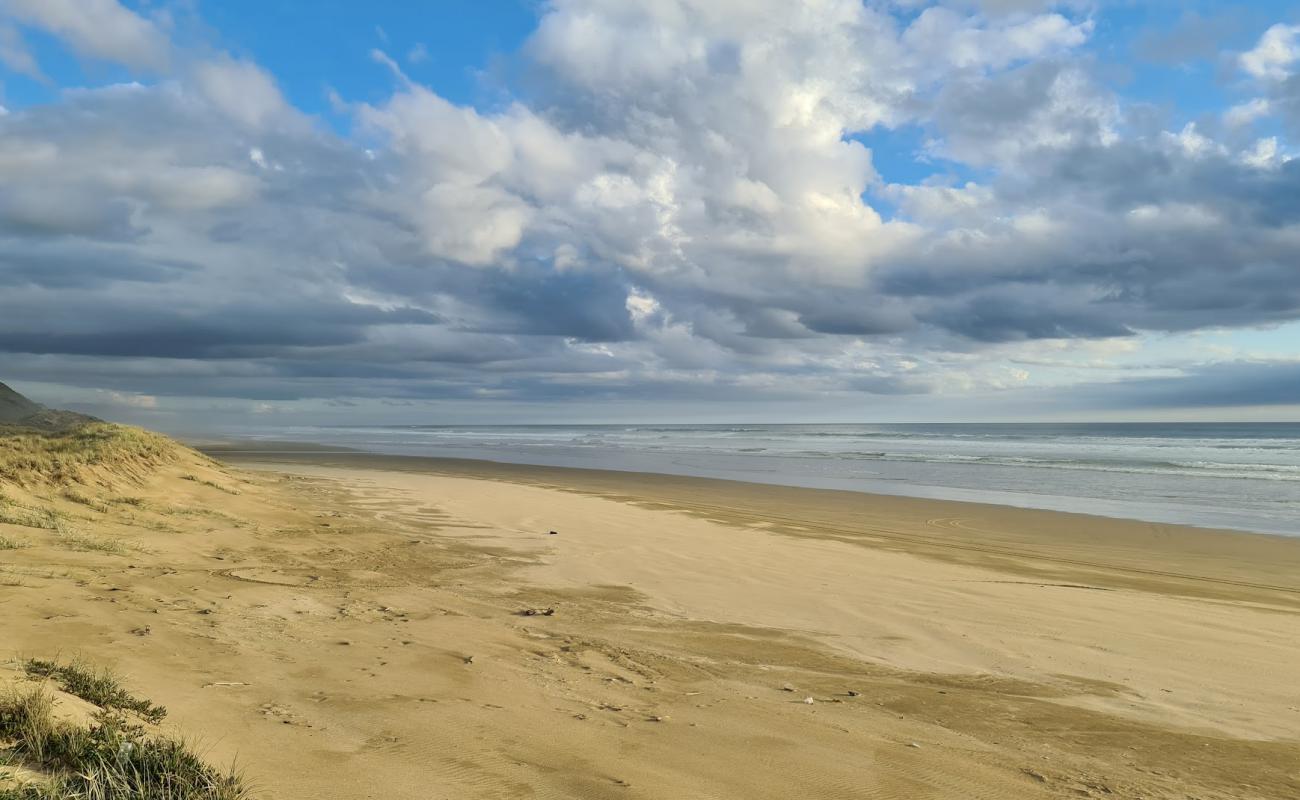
x: 347, y: 626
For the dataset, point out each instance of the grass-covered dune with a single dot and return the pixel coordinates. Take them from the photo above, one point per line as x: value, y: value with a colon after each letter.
x: 97, y: 453
x: 50, y: 479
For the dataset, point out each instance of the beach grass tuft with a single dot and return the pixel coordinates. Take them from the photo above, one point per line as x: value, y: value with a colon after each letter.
x: 109, y: 758
x: 94, y: 504
x: 15, y: 513
x: 213, y: 484
x: 99, y: 686
x: 85, y: 543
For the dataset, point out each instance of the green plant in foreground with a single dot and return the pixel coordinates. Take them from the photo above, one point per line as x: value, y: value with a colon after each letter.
x: 100, y: 687
x: 108, y: 759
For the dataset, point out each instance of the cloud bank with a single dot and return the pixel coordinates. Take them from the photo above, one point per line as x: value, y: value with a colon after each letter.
x: 679, y: 202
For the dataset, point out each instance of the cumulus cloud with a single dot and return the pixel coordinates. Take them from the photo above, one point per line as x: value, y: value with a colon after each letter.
x: 102, y: 29
x: 1275, y: 53
x: 683, y: 204
x: 1247, y: 112
x: 241, y: 90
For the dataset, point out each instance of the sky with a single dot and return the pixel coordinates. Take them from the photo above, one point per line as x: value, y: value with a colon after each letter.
x: 263, y: 212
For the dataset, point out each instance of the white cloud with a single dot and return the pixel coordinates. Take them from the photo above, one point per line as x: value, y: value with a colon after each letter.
x: 1005, y: 119
x: 103, y: 29
x: 941, y: 206
x: 131, y: 400
x: 472, y: 224
x: 1265, y: 154
x: 1277, y: 50
x: 1192, y: 143
x: 1245, y: 113
x: 942, y: 35
x: 242, y: 90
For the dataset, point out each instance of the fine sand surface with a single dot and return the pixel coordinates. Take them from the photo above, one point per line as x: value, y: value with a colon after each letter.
x: 349, y: 626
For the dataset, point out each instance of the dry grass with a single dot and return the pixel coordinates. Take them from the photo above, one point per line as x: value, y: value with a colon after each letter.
x: 86, y: 543
x: 7, y: 543
x: 213, y: 484
x: 15, y: 513
x: 51, y: 520
x: 94, y: 504
x: 29, y: 457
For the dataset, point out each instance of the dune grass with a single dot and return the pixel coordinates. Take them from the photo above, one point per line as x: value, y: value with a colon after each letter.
x: 64, y: 457
x: 212, y: 484
x: 14, y: 513
x: 7, y: 543
x: 110, y: 758
x: 51, y: 520
x: 94, y: 504
x: 99, y: 686
x: 85, y: 543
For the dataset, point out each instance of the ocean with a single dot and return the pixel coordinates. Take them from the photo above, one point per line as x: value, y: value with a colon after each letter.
x: 1227, y: 475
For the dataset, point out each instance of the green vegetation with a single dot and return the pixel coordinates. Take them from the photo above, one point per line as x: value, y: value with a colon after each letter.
x: 100, y: 687
x: 110, y: 758
x: 11, y: 544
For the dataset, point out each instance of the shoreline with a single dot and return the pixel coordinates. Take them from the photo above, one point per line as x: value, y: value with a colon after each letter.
x: 1211, y: 557
x: 1146, y: 508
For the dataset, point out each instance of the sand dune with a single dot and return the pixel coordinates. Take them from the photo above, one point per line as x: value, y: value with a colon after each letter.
x: 351, y: 626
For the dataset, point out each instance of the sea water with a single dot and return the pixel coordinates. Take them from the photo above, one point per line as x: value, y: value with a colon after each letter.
x: 1228, y: 475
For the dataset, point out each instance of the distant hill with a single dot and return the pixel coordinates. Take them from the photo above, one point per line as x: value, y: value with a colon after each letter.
x: 18, y: 410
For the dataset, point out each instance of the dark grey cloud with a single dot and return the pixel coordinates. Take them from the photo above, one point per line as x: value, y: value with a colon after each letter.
x: 60, y: 266
x: 1287, y: 98
x: 1217, y: 385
